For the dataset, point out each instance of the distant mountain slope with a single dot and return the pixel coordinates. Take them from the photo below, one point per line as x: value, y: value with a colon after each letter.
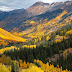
x: 47, y: 15
x: 38, y: 29
x: 38, y: 19
x: 3, y: 15
x: 13, y: 19
x: 45, y: 27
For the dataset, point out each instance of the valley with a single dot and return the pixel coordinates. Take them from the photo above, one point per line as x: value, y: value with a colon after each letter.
x: 37, y: 39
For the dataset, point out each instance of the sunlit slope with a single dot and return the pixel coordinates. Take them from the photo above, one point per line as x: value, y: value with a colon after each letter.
x: 46, y: 27
x: 14, y: 47
x: 8, y: 36
x: 3, y: 42
x: 7, y: 48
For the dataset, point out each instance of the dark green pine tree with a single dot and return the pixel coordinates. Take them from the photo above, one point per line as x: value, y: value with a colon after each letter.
x: 17, y: 67
x: 12, y: 67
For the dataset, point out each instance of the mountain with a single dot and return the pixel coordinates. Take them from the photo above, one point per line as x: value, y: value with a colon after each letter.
x: 3, y: 15
x: 29, y: 25
x: 15, y: 19
x: 37, y: 19
x: 46, y: 27
x: 37, y: 30
x: 38, y: 8
x: 47, y: 15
